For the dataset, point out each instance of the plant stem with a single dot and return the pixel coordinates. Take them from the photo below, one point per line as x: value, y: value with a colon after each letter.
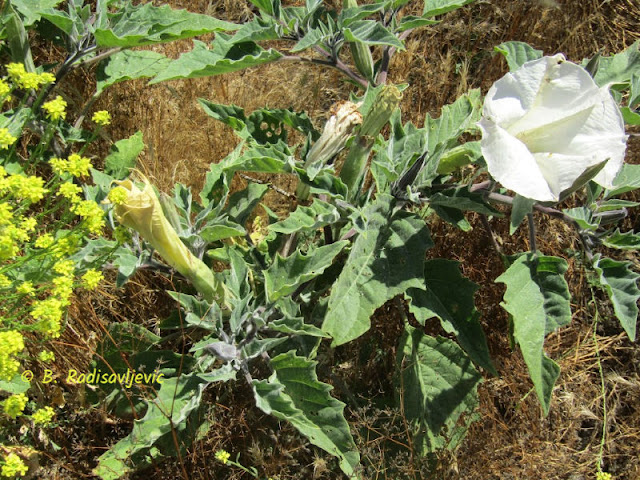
x: 532, y: 233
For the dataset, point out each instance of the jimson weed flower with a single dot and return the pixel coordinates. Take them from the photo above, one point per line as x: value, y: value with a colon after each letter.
x: 546, y: 124
x: 142, y: 212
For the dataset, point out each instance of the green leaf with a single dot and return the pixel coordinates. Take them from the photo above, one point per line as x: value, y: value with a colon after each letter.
x: 634, y: 97
x: 293, y: 393
x: 620, y: 67
x: 15, y: 386
x: 438, y: 7
x: 622, y: 241
x: 583, y: 217
x: 124, y: 156
x: 518, y: 53
x: 628, y: 179
x: 442, y: 134
x: 311, y: 38
x: 31, y: 10
x: 521, y: 207
x: 621, y: 285
x: 371, y: 32
x: 458, y: 157
x: 629, y: 116
x: 307, y: 219
x: 438, y: 385
x: 129, y: 65
x: 386, y: 259
x: 134, y: 26
x: 264, y: 5
x: 462, y: 199
x: 169, y: 425
x: 221, y: 230
x: 409, y: 22
x: 286, y: 274
x: 224, y: 57
x: 259, y: 29
x: 537, y: 298
x: 449, y: 296
x: 353, y: 14
x: 242, y: 203
x: 60, y: 19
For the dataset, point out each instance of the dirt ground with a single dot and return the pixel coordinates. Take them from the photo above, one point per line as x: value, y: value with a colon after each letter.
x: 512, y: 439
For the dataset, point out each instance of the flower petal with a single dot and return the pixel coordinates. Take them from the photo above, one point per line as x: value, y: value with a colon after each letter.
x: 510, y: 163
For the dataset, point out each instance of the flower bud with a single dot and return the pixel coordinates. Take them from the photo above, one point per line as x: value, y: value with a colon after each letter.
x: 360, y: 52
x: 344, y: 118
x: 143, y: 213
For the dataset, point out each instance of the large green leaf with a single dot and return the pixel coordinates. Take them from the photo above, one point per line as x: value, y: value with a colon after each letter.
x: 224, y: 57
x: 124, y: 156
x: 286, y: 274
x: 619, y: 68
x: 129, y: 65
x: 622, y: 241
x: 537, y: 298
x: 621, y: 284
x: 169, y: 425
x: 449, y: 296
x: 31, y: 10
x: 518, y: 53
x: 437, y: 384
x: 308, y: 219
x: 293, y: 393
x: 438, y: 7
x: 371, y: 32
x: 133, y: 26
x: 386, y: 259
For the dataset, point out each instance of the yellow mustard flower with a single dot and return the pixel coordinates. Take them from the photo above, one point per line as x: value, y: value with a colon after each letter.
x: 69, y: 190
x: 6, y: 139
x: 13, y: 465
x: 91, y: 279
x: 14, y: 405
x: 102, y: 117
x: 78, y: 166
x: 25, y: 288
x: 43, y: 416
x: 222, y: 456
x: 55, y: 108
x: 11, y: 342
x: 46, y: 356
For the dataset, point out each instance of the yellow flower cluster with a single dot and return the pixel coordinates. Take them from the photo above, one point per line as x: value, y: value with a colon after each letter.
x: 46, y: 356
x: 22, y: 187
x: 75, y: 165
x: 13, y: 465
x: 11, y: 343
x: 222, y: 456
x: 14, y: 405
x: 27, y: 80
x: 56, y: 108
x: 92, y: 214
x: 102, y: 117
x: 6, y: 139
x: 92, y: 279
x: 43, y: 416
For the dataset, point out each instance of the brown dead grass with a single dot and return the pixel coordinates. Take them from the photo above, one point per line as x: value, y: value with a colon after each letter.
x: 512, y: 440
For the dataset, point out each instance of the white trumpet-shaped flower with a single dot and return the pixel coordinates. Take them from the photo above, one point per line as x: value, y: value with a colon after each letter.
x: 546, y: 124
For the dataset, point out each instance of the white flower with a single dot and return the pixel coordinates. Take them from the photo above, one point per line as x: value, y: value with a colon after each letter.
x: 545, y: 124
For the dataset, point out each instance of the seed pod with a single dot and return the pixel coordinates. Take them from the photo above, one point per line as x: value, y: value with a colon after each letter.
x: 360, y: 52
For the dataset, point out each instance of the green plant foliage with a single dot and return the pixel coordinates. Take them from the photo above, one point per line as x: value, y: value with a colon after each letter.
x: 123, y: 156
x: 145, y: 24
x: 621, y: 285
x: 622, y: 241
x: 628, y: 179
x: 433, y: 8
x: 129, y: 65
x: 307, y: 219
x: 449, y: 297
x: 172, y: 420
x: 293, y: 393
x: 518, y: 53
x: 385, y: 260
x: 286, y: 274
x: 619, y: 68
x: 225, y: 57
x: 537, y: 298
x: 437, y: 386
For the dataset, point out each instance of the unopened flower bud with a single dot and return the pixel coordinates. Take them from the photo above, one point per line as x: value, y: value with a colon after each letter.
x: 143, y: 213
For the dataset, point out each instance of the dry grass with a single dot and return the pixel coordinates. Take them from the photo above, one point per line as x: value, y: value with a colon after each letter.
x: 513, y: 440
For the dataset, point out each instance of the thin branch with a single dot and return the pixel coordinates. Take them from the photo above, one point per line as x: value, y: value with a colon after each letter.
x: 532, y: 233
x: 387, y: 53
